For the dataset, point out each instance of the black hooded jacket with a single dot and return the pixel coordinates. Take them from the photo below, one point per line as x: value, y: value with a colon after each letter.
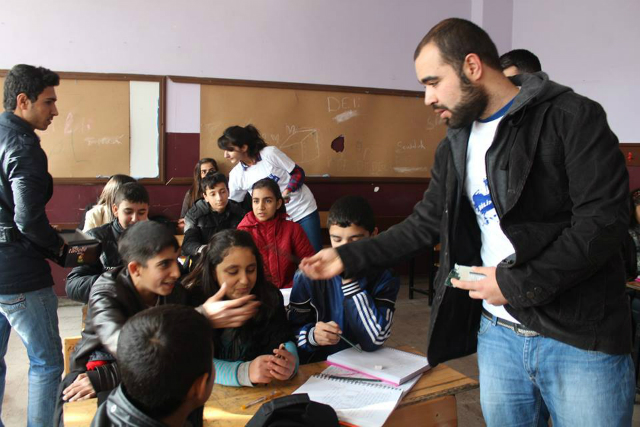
x: 201, y: 223
x: 559, y: 185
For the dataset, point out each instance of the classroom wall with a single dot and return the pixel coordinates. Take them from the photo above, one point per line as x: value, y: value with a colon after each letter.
x: 358, y: 43
x: 591, y: 46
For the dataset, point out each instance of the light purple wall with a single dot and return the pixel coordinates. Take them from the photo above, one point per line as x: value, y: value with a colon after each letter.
x: 353, y: 42
x: 591, y: 46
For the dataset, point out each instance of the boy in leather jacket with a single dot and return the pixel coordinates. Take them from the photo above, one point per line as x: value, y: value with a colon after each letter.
x: 131, y: 205
x: 165, y: 355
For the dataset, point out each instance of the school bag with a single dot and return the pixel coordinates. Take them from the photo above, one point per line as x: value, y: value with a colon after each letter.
x: 296, y: 410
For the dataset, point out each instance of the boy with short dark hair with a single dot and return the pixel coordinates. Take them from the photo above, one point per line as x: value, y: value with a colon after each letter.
x: 214, y: 213
x: 165, y: 355
x: 148, y: 278
x: 131, y: 204
x: 360, y: 309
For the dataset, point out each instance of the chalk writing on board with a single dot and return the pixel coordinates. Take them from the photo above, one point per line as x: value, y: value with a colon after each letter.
x: 301, y: 144
x: 343, y: 103
x: 416, y: 144
x: 105, y: 140
x: 71, y: 125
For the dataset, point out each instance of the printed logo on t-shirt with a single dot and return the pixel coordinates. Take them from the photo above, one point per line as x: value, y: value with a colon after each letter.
x: 274, y: 177
x: 483, y: 204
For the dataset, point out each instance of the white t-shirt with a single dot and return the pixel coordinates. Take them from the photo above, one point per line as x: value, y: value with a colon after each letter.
x: 495, y: 245
x: 276, y: 165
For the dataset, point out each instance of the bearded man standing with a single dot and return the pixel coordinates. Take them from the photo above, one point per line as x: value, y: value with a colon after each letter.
x: 530, y: 187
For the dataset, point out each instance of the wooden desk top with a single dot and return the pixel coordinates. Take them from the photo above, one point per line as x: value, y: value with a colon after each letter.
x: 223, y: 407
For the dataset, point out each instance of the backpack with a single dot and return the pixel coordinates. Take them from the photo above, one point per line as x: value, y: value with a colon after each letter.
x: 296, y: 410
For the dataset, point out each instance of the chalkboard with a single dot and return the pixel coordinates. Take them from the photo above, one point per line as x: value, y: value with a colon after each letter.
x: 327, y: 130
x: 107, y: 124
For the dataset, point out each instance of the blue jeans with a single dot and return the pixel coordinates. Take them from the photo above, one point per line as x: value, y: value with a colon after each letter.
x: 526, y: 379
x: 311, y: 226
x: 33, y: 315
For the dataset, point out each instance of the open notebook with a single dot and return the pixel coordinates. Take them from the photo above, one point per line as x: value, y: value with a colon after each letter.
x: 387, y: 364
x: 361, y: 403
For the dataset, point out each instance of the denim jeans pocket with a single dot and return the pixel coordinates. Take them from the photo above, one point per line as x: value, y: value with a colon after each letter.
x: 485, y: 324
x: 13, y: 303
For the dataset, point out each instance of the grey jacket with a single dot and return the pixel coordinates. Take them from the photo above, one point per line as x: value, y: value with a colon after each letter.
x: 25, y: 189
x: 559, y: 184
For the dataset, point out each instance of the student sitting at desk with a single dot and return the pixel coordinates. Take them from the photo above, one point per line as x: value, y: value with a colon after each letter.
x: 254, y: 160
x: 193, y: 194
x: 359, y: 309
x: 262, y: 349
x: 165, y: 357
x: 130, y: 205
x: 150, y: 256
x: 282, y: 242
x: 213, y: 213
x: 102, y: 212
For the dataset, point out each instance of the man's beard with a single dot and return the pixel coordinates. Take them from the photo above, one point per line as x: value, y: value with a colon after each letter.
x: 473, y: 103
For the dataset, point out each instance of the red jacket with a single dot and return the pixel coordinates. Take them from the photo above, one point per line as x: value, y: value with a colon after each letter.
x: 276, y: 238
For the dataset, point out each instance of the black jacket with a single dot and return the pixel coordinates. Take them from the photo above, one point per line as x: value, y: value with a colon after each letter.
x: 80, y: 279
x: 113, y: 300
x: 201, y: 223
x: 559, y: 186
x: 25, y: 189
x: 119, y: 411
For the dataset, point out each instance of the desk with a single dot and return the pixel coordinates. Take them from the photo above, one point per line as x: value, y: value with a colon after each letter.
x: 431, y: 402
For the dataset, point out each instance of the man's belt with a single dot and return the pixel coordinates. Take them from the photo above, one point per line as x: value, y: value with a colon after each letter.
x: 515, y: 327
x: 8, y: 234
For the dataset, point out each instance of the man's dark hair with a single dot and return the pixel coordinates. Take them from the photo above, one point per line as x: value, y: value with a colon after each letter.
x: 161, y: 353
x: 211, y: 179
x: 350, y: 210
x: 524, y: 60
x: 143, y: 240
x: 456, y: 38
x: 133, y: 192
x: 27, y: 79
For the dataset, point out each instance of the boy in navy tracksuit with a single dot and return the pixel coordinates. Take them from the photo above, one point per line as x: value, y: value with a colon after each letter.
x: 360, y: 309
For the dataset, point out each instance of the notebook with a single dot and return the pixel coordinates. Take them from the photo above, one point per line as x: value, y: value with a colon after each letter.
x: 356, y: 402
x: 349, y: 374
x: 388, y: 364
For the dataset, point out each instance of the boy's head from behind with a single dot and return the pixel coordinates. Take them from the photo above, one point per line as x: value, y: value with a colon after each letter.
x: 215, y: 190
x: 350, y: 219
x: 165, y: 356
x: 150, y: 252
x: 131, y: 204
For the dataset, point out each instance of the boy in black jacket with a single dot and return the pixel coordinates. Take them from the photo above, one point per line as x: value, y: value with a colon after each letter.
x: 215, y: 212
x: 131, y: 205
x: 165, y: 357
x: 150, y: 256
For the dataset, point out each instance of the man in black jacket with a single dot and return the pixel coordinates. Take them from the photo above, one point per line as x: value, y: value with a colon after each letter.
x: 529, y: 186
x: 131, y: 204
x: 27, y: 302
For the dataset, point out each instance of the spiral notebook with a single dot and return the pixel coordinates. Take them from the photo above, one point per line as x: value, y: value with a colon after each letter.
x: 387, y: 364
x: 356, y: 402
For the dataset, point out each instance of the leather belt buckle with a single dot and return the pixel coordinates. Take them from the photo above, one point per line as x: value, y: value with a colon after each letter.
x: 515, y: 327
